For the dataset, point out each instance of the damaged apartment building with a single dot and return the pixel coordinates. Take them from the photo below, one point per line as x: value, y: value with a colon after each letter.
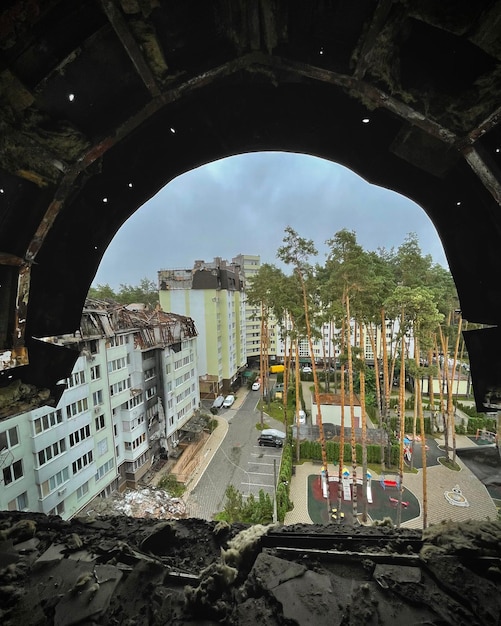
x: 213, y: 294
x: 133, y: 388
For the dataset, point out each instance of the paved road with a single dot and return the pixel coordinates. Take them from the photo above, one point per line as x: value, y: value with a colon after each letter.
x: 239, y: 461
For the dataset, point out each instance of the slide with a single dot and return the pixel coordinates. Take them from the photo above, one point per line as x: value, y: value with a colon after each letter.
x: 369, y: 492
x: 346, y: 489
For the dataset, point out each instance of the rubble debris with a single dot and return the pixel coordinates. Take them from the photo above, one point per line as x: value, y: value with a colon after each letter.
x: 143, y: 503
x: 156, y: 572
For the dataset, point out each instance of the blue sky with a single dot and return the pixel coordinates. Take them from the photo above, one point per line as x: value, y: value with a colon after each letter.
x: 242, y: 204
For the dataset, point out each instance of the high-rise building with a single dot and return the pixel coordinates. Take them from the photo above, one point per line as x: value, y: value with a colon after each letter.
x: 212, y: 294
x: 132, y: 389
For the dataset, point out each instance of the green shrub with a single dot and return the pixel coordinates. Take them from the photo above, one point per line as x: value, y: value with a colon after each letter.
x: 170, y: 484
x: 283, y: 502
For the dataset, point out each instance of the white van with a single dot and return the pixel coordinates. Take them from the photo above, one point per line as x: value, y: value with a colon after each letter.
x: 273, y: 432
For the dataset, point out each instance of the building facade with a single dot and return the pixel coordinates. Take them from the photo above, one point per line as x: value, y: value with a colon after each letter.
x: 326, y: 344
x: 212, y: 294
x: 133, y: 388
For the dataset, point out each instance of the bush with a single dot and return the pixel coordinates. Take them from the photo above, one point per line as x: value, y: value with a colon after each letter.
x: 312, y: 451
x: 283, y: 502
x: 476, y: 423
x: 252, y: 511
x: 170, y: 484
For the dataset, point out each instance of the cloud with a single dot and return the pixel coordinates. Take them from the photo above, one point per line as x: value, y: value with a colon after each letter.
x: 242, y: 204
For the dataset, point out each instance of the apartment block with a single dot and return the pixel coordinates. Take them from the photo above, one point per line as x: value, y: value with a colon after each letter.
x: 212, y: 294
x: 133, y: 388
x: 326, y: 342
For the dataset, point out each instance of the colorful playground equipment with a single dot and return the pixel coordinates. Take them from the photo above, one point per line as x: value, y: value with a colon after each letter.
x: 392, y: 481
x: 394, y: 502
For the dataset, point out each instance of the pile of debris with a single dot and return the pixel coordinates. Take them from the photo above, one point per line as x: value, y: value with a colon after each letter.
x: 141, y: 503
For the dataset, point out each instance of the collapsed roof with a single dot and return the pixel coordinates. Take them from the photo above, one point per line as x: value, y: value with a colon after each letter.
x: 103, y: 102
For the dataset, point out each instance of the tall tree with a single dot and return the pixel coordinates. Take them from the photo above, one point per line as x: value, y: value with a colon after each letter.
x: 349, y: 266
x: 262, y: 292
x: 296, y: 251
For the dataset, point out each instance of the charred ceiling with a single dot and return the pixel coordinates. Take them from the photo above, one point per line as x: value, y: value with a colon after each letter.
x: 103, y: 102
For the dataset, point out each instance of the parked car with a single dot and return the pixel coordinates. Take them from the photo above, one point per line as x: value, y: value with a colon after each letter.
x: 307, y: 369
x: 256, y: 386
x: 218, y: 402
x: 270, y: 440
x: 302, y: 417
x: 274, y: 432
x: 228, y: 401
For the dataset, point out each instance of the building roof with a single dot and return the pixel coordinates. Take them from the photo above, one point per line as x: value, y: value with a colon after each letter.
x: 152, y: 328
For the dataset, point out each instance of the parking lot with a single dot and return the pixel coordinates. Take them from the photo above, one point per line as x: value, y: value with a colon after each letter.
x: 262, y: 467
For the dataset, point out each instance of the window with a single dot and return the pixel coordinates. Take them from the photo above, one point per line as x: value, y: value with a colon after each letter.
x: 121, y: 385
x: 54, y: 482
x: 76, y: 407
x: 58, y: 509
x: 137, y: 442
x: 79, y: 435
x: 99, y: 422
x: 150, y: 373
x: 97, y: 397
x: 42, y: 424
x: 49, y: 453
x: 102, y: 447
x: 9, y: 438
x: 136, y: 421
x: 93, y: 346
x: 133, y: 402
x: 95, y: 372
x: 20, y: 503
x: 132, y: 467
x: 82, y: 462
x: 83, y: 490
x: 117, y: 364
x: 151, y: 392
x: 13, y: 472
x: 104, y: 469
x: 118, y: 340
x: 77, y: 378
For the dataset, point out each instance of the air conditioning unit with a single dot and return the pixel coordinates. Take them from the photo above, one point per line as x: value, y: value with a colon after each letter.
x: 97, y: 409
x: 61, y: 492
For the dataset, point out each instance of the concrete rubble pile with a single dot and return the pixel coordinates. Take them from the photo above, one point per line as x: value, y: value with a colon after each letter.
x: 140, y: 503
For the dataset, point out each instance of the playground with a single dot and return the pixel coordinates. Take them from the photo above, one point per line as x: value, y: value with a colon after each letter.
x: 382, y: 501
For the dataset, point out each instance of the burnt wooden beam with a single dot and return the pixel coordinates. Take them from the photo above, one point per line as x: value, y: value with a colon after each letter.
x: 379, y: 19
x: 123, y: 32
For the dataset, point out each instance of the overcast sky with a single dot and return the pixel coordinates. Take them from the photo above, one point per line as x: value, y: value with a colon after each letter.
x: 243, y: 204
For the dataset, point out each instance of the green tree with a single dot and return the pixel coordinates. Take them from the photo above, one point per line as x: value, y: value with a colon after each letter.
x: 296, y: 252
x: 351, y: 276
x: 145, y: 293
x: 102, y: 292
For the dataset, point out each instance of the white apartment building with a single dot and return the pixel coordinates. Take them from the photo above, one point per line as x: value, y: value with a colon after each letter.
x: 133, y: 387
x: 249, y: 266
x: 326, y: 349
